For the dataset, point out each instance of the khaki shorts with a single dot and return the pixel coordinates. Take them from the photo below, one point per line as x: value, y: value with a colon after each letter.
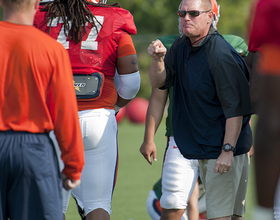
x: 225, y: 194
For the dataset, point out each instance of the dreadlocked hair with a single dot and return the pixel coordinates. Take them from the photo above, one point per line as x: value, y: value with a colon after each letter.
x: 75, y: 15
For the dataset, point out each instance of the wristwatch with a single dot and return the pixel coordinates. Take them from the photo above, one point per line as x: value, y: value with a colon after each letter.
x: 227, y: 147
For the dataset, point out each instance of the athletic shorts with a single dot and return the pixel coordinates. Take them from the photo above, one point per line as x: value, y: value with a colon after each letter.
x: 225, y: 194
x: 65, y: 193
x: 30, y: 181
x: 179, y: 176
x: 99, y: 131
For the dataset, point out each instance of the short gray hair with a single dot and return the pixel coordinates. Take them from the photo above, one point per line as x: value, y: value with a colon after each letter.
x: 179, y: 26
x: 17, y: 5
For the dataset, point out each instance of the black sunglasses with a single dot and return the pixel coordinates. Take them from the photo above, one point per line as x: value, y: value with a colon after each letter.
x: 192, y: 13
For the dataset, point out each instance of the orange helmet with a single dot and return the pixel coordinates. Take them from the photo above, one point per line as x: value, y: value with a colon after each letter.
x: 99, y: 1
x: 216, y: 12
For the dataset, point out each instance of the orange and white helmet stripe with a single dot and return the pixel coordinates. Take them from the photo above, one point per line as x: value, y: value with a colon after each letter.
x: 99, y: 1
x: 216, y: 12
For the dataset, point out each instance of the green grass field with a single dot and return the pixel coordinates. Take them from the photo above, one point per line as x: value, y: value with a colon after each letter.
x: 136, y: 177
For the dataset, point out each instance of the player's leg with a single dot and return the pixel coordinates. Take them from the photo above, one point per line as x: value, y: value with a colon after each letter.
x: 202, y: 202
x: 80, y: 208
x: 99, y: 131
x: 154, y: 209
x: 179, y: 177
x: 192, y: 208
x: 171, y: 214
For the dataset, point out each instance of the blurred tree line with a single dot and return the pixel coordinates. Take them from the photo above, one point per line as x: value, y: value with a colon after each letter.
x: 160, y: 16
x: 156, y: 18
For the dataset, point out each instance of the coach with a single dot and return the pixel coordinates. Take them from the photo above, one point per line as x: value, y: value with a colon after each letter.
x: 211, y: 107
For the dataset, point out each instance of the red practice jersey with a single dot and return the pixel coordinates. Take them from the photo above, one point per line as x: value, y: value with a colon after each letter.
x: 265, y: 23
x: 98, y: 51
x: 265, y: 34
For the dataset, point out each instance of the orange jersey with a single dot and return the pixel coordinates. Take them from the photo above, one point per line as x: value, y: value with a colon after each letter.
x: 36, y: 91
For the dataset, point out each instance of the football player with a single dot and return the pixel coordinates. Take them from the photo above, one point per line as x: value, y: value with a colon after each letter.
x: 179, y: 175
x: 98, y: 39
x: 264, y: 47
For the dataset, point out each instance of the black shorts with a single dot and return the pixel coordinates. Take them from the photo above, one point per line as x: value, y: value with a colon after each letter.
x: 30, y: 181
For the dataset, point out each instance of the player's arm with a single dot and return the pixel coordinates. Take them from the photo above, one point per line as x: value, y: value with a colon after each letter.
x: 62, y: 103
x: 157, y: 73
x: 267, y: 140
x: 127, y: 71
x: 153, y: 118
x: 249, y: 61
